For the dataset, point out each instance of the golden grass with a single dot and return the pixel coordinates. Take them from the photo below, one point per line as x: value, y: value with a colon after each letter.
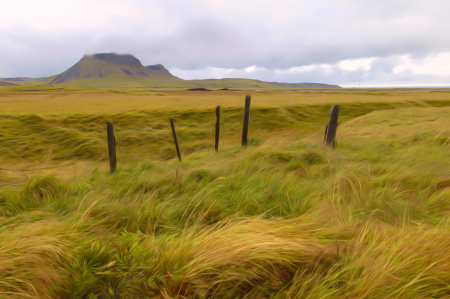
x: 285, y: 217
x: 253, y: 251
x: 404, y: 123
x: 32, y: 256
x: 99, y: 101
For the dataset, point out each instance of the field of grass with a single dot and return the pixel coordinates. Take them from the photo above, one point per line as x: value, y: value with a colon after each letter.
x: 285, y: 217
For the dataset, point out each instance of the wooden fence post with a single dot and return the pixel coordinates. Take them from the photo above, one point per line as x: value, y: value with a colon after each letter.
x: 332, y: 126
x: 111, y: 146
x: 175, y: 138
x: 246, y: 120
x: 217, y: 127
x: 325, y: 136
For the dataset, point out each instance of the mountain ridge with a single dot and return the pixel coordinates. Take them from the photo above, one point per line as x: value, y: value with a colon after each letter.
x: 125, y: 70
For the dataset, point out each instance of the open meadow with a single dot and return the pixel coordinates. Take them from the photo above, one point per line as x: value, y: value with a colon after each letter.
x: 284, y: 217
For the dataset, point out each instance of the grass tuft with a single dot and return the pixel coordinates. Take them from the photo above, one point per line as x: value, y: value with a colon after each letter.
x: 41, y: 189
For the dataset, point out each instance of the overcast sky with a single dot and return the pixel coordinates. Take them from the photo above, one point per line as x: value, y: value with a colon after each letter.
x: 345, y: 42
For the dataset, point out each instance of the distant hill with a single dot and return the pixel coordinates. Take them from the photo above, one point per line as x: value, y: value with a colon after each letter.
x: 108, y: 70
x: 9, y: 84
x: 252, y: 83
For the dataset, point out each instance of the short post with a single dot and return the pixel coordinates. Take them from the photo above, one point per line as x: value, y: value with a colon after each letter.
x: 175, y: 138
x: 217, y: 127
x: 111, y: 146
x: 332, y: 126
x: 325, y: 136
x: 246, y: 120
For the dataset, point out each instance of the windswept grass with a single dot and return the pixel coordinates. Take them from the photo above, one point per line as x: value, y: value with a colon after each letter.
x: 32, y: 257
x: 285, y: 217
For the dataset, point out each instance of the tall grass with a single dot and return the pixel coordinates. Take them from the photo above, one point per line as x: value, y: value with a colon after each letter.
x: 285, y: 217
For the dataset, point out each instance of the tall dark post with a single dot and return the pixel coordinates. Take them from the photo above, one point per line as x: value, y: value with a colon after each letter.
x: 175, y: 138
x: 111, y: 146
x: 246, y: 120
x: 217, y: 127
x: 332, y: 125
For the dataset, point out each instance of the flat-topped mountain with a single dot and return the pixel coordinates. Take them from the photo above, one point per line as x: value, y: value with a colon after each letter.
x: 109, y: 70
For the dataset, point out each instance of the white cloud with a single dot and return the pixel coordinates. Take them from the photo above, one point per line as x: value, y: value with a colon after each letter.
x: 208, y: 73
x: 364, y: 64
x: 437, y: 64
x: 364, y: 72
x: 299, y: 69
x: 253, y: 69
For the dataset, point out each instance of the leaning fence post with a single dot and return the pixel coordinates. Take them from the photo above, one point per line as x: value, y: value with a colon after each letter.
x: 246, y: 120
x: 332, y: 126
x: 325, y: 136
x: 217, y: 127
x: 111, y: 146
x: 175, y: 138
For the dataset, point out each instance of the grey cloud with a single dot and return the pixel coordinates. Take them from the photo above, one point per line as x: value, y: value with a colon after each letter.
x: 199, y: 34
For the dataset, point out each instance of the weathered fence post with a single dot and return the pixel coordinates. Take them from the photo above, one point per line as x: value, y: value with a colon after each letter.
x: 111, y: 146
x: 175, y: 138
x: 332, y: 126
x: 325, y: 136
x: 246, y: 120
x: 217, y: 127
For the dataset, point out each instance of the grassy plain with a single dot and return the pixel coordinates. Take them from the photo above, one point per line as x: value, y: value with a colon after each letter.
x: 285, y: 217
x: 68, y: 100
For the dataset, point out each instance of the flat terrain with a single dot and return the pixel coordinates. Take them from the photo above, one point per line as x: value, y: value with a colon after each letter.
x: 285, y: 217
x: 58, y: 100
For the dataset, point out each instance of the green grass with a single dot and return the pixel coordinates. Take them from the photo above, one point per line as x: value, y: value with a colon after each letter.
x: 147, y: 133
x: 286, y: 217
